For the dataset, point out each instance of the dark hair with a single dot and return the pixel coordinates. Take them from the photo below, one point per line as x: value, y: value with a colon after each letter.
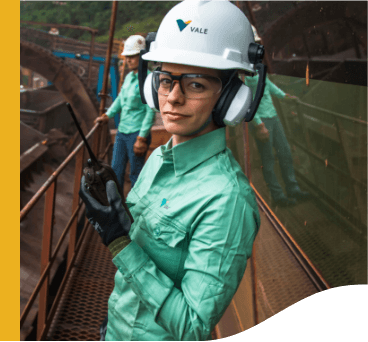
x: 227, y: 74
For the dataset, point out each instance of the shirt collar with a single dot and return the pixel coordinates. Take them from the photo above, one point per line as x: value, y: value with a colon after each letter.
x: 191, y: 153
x: 133, y: 76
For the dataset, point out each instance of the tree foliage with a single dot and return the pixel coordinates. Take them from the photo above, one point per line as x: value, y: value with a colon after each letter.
x: 132, y: 16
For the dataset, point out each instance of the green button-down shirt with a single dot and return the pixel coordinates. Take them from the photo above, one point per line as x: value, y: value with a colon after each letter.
x: 195, y: 222
x: 134, y: 115
x: 266, y: 108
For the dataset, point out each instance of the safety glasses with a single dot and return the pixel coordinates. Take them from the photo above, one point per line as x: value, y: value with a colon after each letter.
x: 193, y: 86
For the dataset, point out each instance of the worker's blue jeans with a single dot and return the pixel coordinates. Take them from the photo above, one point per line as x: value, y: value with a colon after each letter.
x: 122, y: 152
x: 279, y: 142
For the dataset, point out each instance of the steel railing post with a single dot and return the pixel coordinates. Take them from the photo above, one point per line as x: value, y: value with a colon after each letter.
x: 48, y: 224
x: 103, y: 93
x: 77, y: 178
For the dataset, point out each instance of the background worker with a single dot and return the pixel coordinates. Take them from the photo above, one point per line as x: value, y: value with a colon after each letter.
x: 195, y: 214
x: 136, y: 119
x: 269, y: 133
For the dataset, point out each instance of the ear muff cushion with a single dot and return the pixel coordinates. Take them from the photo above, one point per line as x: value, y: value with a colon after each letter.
x: 155, y: 96
x: 225, y: 100
x: 149, y: 93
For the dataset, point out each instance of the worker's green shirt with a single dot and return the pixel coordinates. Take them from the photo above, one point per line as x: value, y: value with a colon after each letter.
x: 266, y: 108
x: 134, y: 115
x: 195, y: 220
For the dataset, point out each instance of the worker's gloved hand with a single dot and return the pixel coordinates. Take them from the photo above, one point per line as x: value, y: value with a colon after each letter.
x: 140, y: 146
x: 111, y: 222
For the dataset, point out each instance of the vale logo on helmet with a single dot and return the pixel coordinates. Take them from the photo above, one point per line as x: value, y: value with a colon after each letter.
x: 182, y: 25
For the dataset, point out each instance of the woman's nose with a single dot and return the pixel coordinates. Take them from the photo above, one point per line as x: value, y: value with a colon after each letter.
x: 175, y: 94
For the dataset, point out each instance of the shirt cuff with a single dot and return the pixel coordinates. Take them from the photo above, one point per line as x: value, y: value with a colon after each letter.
x: 130, y: 259
x: 280, y: 94
x: 110, y: 114
x: 118, y: 245
x: 142, y: 134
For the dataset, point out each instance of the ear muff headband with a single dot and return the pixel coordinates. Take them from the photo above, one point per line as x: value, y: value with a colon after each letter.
x: 155, y: 94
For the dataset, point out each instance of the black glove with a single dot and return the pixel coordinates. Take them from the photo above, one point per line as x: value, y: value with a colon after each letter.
x: 110, y: 222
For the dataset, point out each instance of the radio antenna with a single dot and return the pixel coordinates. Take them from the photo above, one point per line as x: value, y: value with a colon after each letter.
x: 93, y: 157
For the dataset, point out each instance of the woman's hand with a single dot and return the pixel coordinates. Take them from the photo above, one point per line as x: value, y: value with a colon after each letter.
x: 103, y: 119
x: 262, y: 132
x: 112, y: 221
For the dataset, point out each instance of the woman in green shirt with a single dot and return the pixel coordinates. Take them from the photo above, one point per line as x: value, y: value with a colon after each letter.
x: 195, y: 215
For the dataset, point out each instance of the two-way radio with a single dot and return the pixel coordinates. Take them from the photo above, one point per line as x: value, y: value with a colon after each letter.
x: 97, y: 173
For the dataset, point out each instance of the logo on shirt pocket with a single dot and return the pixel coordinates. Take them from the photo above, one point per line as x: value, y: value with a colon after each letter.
x: 165, y: 203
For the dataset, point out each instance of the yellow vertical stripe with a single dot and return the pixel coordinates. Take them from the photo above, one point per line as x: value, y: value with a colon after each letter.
x: 10, y: 185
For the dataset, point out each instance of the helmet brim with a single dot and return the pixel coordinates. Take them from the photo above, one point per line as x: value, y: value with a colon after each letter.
x: 195, y: 59
x: 130, y: 53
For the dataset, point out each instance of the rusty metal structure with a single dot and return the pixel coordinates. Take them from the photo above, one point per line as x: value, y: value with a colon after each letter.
x: 64, y: 78
x: 88, y: 29
x: 288, y: 263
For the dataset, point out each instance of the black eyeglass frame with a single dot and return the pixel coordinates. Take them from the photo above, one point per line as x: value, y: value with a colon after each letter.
x: 178, y: 78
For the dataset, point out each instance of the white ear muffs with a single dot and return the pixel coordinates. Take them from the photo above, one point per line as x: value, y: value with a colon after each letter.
x: 150, y: 93
x: 239, y: 107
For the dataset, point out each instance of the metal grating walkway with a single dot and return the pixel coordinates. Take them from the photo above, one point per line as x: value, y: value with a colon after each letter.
x: 83, y: 306
x: 281, y: 282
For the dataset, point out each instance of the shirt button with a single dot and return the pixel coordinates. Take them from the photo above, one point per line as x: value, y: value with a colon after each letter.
x: 157, y: 231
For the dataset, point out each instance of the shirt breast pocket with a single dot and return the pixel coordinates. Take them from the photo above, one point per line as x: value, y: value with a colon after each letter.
x: 165, y: 243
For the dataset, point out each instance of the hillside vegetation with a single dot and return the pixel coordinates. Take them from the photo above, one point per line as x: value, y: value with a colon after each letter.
x: 132, y: 17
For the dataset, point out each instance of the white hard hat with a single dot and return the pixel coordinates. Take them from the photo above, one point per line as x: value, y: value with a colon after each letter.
x: 210, y: 34
x: 133, y: 45
x: 257, y: 38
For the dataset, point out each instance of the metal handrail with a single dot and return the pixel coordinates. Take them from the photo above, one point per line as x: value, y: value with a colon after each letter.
x: 47, y: 269
x: 48, y: 260
x: 32, y: 202
x: 342, y: 116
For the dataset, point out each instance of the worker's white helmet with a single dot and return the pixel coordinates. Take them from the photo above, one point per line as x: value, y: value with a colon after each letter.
x: 257, y: 38
x: 133, y: 45
x: 194, y: 33
x: 209, y: 34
